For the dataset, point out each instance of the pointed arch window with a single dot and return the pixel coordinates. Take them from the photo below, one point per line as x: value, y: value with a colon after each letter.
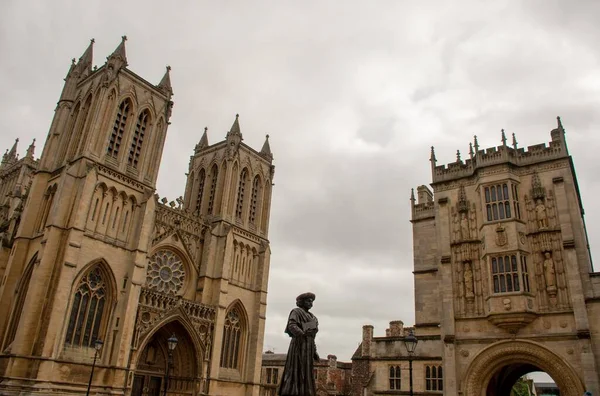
x: 213, y: 188
x: 254, y: 199
x: 116, y: 137
x: 138, y: 138
x: 201, y: 177
x: 22, y: 289
x: 239, y: 209
x: 232, y: 340
x: 87, y: 311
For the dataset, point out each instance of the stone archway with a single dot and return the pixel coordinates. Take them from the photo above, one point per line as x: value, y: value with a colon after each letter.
x: 184, y: 373
x: 504, y: 360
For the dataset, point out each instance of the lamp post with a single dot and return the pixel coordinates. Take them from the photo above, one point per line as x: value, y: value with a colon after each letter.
x: 410, y: 342
x: 97, y: 348
x: 171, y: 344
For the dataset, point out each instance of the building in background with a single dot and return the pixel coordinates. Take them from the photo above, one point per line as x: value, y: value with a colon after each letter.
x: 89, y: 251
x: 332, y: 377
x: 504, y: 283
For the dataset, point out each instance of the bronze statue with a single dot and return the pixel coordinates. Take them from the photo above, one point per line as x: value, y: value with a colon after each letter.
x: 302, y: 326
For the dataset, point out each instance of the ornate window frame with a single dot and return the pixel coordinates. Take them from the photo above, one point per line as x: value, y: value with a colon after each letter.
x: 511, y: 279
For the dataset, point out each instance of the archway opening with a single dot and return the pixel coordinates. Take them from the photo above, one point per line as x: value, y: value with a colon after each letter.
x: 184, y: 370
x: 521, y: 379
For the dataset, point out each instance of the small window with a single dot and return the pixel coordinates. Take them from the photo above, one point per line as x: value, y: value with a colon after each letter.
x: 119, y: 127
x: 434, y: 380
x: 395, y: 377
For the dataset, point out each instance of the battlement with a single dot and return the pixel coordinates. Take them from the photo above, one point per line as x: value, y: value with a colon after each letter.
x: 503, y: 154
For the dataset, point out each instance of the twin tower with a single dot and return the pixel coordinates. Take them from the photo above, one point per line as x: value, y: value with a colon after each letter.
x: 90, y: 253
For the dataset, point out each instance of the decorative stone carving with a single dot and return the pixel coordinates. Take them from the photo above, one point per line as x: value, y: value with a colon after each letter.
x: 549, y: 272
x: 501, y: 237
x: 468, y: 277
x: 540, y: 214
x: 165, y: 272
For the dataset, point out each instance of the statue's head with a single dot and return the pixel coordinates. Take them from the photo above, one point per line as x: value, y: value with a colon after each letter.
x: 305, y: 300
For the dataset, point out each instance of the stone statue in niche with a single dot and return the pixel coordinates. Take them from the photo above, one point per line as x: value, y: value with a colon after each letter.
x: 464, y: 225
x: 468, y: 278
x: 540, y: 214
x: 549, y: 271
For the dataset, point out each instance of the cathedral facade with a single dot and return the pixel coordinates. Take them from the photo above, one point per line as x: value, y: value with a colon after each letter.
x: 90, y: 253
x: 504, y: 282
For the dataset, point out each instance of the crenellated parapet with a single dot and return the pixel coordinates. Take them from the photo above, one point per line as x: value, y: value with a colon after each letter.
x: 503, y: 154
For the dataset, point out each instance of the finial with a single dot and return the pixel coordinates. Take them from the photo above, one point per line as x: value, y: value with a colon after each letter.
x: 503, y: 138
x: 458, y: 156
x: 476, y: 144
x: 124, y: 38
x: 168, y: 68
x: 432, y: 156
x: 92, y: 40
x: 471, y: 153
x: 412, y: 194
x: 205, y: 129
x: 73, y: 61
x: 559, y: 122
x: 267, y: 135
x: 237, y: 116
x: 514, y: 141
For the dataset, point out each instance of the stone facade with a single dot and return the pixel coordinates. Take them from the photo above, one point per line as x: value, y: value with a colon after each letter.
x: 90, y: 252
x: 504, y: 283
x: 332, y: 377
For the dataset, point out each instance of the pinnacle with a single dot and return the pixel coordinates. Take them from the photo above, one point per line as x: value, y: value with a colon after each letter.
x: 165, y: 82
x: 120, y: 52
x: 84, y: 65
x: 235, y: 128
x: 266, y: 149
x: 204, y: 139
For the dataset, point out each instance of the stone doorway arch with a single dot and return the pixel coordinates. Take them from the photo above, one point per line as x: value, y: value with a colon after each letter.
x: 185, y: 372
x: 496, y: 366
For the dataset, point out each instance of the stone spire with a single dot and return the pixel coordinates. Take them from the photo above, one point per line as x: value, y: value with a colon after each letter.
x: 266, y: 150
x: 412, y: 195
x: 475, y: 144
x: 203, y: 143
x: 514, y: 141
x: 30, y: 150
x: 118, y: 59
x: 432, y: 159
x: 458, y: 156
x: 471, y: 153
x: 234, y: 138
x: 12, y: 154
x: 503, y: 139
x: 165, y: 84
x: 84, y: 65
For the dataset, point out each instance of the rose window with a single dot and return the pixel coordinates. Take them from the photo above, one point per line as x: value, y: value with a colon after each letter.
x: 165, y: 272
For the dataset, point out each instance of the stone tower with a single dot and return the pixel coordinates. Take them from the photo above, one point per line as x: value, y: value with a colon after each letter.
x: 91, y: 253
x: 504, y: 283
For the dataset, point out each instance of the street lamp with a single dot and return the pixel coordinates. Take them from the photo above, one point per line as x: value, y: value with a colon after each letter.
x: 97, y: 348
x: 410, y: 342
x: 171, y: 344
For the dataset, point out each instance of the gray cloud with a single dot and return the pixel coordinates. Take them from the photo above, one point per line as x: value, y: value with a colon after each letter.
x: 352, y: 98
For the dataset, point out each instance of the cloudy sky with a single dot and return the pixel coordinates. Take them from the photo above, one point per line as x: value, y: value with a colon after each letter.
x: 352, y: 93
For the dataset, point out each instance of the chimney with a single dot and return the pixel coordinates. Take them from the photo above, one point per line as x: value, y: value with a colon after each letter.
x: 396, y: 328
x: 367, y: 338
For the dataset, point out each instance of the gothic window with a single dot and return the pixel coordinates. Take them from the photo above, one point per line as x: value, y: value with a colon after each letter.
x: 525, y: 274
x: 138, y: 138
x: 88, y: 307
x: 254, y: 200
x: 239, y: 209
x: 232, y: 339
x: 515, y: 197
x: 166, y: 272
x: 201, y: 178
x: 434, y: 380
x: 119, y: 126
x: 505, y: 274
x: 46, y: 206
x: 395, y: 377
x: 78, y: 128
x: 213, y: 188
x: 497, y: 202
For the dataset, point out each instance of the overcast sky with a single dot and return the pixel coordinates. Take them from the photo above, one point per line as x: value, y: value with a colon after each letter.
x: 352, y: 93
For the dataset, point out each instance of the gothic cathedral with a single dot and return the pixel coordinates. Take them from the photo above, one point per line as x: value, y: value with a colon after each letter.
x: 98, y: 271
x: 504, y: 283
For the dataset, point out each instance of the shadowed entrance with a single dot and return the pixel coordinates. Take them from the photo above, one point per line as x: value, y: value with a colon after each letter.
x: 184, y: 374
x: 495, y: 370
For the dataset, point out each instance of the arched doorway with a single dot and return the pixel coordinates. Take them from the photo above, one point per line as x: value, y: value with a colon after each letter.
x: 184, y: 373
x: 495, y: 370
